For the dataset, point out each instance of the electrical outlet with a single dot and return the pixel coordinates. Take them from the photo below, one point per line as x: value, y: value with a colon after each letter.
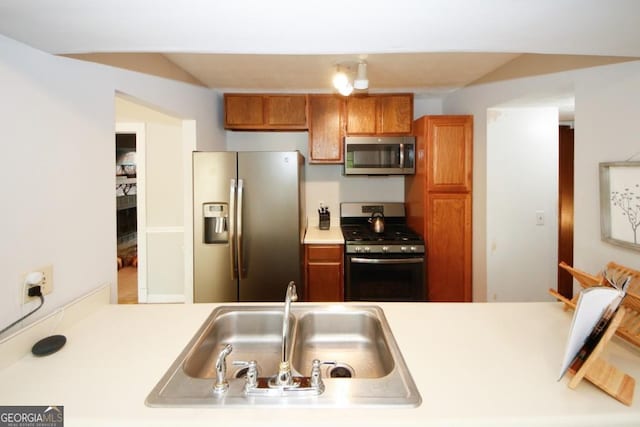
x: 46, y: 284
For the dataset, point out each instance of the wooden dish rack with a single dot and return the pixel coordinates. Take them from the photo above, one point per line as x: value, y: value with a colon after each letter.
x: 629, y: 328
x: 625, y: 324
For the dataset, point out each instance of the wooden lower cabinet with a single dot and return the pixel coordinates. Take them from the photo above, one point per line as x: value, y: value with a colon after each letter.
x: 324, y: 275
x: 449, y: 247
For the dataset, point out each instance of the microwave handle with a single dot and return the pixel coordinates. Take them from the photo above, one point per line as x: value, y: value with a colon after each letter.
x: 402, y: 156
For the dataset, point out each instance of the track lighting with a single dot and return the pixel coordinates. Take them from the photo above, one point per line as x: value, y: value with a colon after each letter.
x: 361, y: 81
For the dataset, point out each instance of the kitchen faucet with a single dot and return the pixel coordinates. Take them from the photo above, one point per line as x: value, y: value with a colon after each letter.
x: 284, y: 370
x: 282, y: 384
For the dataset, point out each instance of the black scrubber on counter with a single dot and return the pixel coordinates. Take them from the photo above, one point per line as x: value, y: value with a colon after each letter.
x: 48, y: 345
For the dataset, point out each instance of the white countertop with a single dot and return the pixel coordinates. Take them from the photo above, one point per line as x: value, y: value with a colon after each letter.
x: 474, y: 364
x: 315, y: 236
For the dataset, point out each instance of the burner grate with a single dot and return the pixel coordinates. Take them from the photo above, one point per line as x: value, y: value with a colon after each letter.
x: 395, y: 234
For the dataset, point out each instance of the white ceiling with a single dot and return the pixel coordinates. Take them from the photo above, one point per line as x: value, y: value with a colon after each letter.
x: 419, y: 45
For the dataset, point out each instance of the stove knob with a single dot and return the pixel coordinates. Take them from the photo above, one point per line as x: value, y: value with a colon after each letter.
x: 357, y: 249
x: 413, y: 248
x: 403, y: 249
x: 385, y: 249
x: 366, y: 249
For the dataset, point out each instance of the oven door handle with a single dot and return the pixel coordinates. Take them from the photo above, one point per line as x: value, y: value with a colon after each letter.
x: 387, y: 260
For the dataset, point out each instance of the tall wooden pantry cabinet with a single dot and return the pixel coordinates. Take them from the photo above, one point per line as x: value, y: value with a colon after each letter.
x: 438, y: 201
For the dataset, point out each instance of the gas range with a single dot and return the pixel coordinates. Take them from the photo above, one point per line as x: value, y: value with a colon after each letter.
x: 384, y: 266
x: 397, y: 237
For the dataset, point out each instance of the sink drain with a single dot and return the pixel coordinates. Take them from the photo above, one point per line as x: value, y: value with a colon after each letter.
x: 341, y: 370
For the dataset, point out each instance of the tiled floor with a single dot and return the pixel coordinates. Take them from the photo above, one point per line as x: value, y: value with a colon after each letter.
x: 128, y: 285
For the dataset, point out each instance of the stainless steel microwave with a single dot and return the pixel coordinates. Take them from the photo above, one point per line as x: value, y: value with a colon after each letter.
x: 371, y: 155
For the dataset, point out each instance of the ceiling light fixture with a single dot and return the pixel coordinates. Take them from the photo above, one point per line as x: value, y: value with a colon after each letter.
x: 351, y: 76
x: 342, y: 82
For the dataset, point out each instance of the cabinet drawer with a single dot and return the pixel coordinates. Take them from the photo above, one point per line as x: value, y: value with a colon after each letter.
x: 324, y: 253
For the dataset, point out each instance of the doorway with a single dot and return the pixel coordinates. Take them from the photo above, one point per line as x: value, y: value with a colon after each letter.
x: 565, y: 208
x: 164, y: 210
x: 129, y: 167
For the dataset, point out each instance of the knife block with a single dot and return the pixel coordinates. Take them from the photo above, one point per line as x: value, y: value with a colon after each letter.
x: 602, y: 374
x: 324, y: 220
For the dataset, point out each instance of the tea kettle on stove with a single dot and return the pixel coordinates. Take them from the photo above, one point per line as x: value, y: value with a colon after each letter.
x: 377, y: 222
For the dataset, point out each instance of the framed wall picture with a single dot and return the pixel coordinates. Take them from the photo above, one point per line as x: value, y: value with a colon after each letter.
x: 620, y: 203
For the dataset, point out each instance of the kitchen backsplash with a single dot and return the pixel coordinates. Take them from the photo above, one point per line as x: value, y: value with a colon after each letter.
x: 323, y: 183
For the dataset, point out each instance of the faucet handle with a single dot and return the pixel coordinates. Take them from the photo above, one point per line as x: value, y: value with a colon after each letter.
x: 252, y: 372
x: 316, y: 375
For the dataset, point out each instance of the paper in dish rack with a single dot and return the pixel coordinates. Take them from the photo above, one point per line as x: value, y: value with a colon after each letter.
x: 594, y: 305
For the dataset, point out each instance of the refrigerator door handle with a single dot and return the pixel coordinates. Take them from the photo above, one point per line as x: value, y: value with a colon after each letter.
x: 239, y: 229
x: 232, y: 229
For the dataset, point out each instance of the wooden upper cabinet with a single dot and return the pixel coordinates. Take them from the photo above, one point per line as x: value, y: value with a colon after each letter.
x: 396, y: 114
x: 449, y: 153
x: 380, y: 114
x: 265, y: 111
x: 362, y: 114
x: 242, y: 111
x: 287, y: 111
x: 326, y: 128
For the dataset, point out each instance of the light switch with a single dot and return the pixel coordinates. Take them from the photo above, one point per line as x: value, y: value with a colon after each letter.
x: 539, y: 217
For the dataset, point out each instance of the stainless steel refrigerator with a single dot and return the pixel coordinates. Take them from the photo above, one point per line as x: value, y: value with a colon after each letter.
x: 249, y: 223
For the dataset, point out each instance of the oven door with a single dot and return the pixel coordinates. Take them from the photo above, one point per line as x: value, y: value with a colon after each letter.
x: 390, y: 277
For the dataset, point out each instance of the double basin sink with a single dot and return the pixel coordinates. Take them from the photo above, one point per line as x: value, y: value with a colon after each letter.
x: 365, y: 364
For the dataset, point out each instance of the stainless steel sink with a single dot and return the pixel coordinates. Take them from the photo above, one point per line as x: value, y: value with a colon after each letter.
x: 255, y: 333
x: 366, y: 366
x: 353, y: 339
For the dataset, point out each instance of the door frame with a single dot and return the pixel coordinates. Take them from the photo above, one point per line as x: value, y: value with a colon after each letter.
x: 189, y: 145
x: 139, y: 129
